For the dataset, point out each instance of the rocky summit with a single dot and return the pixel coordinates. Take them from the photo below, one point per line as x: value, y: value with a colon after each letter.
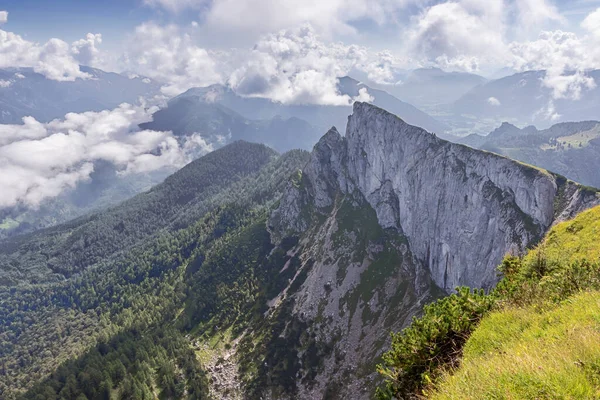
x: 460, y: 209
x: 391, y: 216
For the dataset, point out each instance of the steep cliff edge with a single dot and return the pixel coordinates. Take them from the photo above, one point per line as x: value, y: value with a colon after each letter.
x: 461, y: 210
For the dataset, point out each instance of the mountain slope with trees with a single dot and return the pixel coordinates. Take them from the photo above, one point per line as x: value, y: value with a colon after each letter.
x: 251, y: 274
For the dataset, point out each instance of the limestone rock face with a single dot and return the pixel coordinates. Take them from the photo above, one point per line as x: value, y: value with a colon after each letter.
x: 460, y: 209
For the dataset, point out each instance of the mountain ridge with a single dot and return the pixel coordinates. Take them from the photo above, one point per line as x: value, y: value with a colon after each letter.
x: 381, y: 146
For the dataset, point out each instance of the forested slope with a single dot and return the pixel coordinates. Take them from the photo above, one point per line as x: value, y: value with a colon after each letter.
x: 130, y: 298
x: 57, y: 253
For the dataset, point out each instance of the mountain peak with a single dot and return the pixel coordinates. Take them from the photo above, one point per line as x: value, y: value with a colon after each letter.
x: 460, y: 209
x: 505, y: 129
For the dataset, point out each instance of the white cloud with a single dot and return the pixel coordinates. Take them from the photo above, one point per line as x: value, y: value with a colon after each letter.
x: 256, y: 17
x: 459, y: 34
x: 5, y: 84
x: 383, y: 68
x: 549, y: 112
x: 56, y: 62
x: 493, y: 101
x: 19, y: 75
x: 591, y: 23
x: 169, y: 55
x: 364, y: 96
x: 296, y: 67
x: 535, y: 13
x: 564, y: 56
x: 3, y: 17
x: 38, y: 160
x: 86, y: 52
x: 55, y: 59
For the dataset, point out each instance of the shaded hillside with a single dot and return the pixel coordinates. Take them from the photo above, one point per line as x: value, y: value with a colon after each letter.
x: 188, y: 114
x: 132, y: 280
x: 59, y: 252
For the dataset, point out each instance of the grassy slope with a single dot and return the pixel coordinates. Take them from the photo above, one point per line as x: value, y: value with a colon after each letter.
x: 524, y: 354
x: 549, y: 347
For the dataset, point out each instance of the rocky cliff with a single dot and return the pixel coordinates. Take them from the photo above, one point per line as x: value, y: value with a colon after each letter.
x: 380, y: 222
x: 461, y: 209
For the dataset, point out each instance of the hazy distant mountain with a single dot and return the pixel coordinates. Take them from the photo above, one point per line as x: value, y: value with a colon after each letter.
x: 409, y: 113
x: 569, y: 148
x: 523, y: 98
x: 25, y: 93
x: 320, y: 116
x: 191, y: 113
x: 427, y: 87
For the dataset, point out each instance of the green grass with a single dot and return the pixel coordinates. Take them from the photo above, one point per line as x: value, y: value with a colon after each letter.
x: 539, y: 339
x: 525, y: 354
x: 574, y: 240
x: 543, y: 342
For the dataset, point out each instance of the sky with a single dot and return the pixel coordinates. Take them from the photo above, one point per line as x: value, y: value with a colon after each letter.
x: 275, y: 48
x: 289, y: 51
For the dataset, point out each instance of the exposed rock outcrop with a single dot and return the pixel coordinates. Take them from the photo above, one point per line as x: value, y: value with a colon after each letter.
x: 461, y: 209
x: 384, y: 217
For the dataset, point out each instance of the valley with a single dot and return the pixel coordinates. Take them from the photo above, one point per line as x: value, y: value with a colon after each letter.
x: 299, y: 200
x: 281, y: 276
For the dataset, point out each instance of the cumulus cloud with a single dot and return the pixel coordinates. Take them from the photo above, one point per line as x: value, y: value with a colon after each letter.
x: 5, y: 84
x: 591, y: 23
x: 294, y: 66
x: 3, y: 17
x: 459, y: 34
x: 55, y: 59
x: 167, y: 54
x: 38, y: 160
x: 364, y: 96
x: 86, y: 52
x: 56, y: 62
x: 493, y: 101
x: 564, y: 56
x: 383, y: 68
x: 256, y: 17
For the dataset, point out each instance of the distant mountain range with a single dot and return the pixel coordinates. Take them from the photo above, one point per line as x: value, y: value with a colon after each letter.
x: 216, y: 113
x: 220, y: 114
x: 26, y: 93
x: 523, y: 98
x: 569, y: 148
x: 430, y: 87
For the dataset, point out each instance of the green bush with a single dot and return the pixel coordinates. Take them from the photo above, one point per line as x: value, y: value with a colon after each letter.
x: 430, y: 342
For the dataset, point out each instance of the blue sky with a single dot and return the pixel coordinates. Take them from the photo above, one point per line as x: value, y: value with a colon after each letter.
x: 40, y: 20
x: 273, y: 43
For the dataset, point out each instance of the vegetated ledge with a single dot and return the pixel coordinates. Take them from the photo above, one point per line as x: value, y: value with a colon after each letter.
x: 539, y: 338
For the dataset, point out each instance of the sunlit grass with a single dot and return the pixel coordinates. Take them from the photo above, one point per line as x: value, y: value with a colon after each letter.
x: 524, y: 354
x: 569, y: 241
